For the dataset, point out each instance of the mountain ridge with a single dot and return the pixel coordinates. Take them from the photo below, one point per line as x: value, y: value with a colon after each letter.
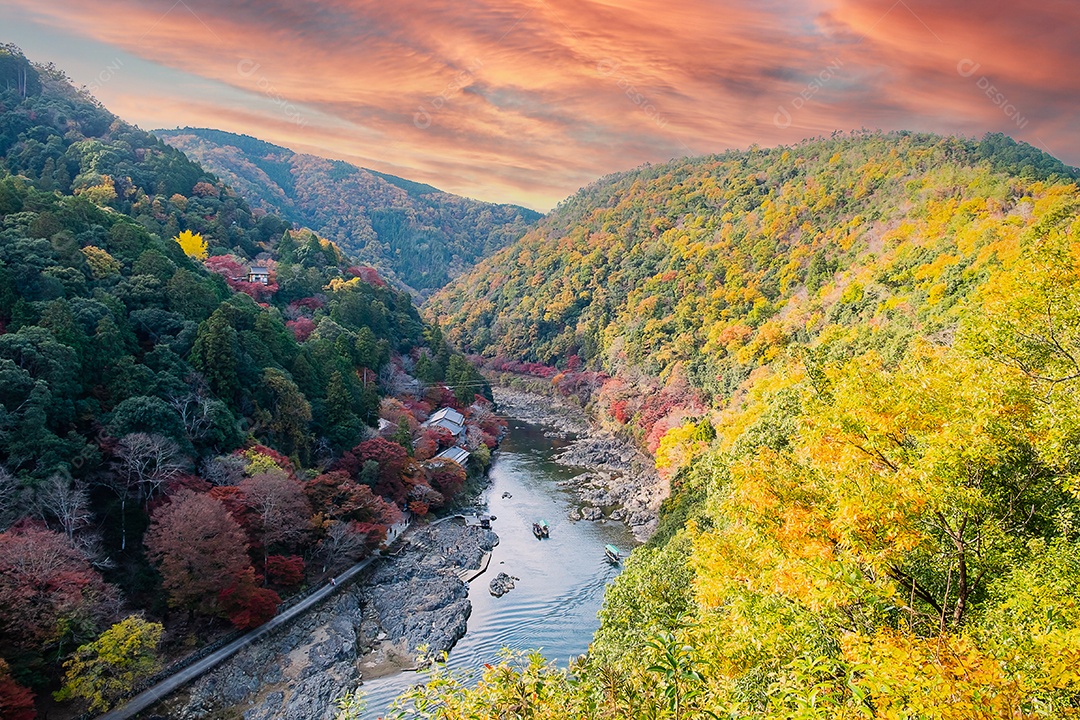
x: 152, y: 384
x: 415, y: 233
x: 628, y: 216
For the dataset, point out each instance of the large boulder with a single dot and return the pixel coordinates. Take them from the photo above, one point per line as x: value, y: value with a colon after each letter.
x: 501, y: 585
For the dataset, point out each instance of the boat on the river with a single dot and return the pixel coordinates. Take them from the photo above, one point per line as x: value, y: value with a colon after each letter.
x: 612, y: 553
x: 541, y: 529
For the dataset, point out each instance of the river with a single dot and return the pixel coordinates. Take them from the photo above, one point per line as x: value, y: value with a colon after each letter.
x: 554, y: 605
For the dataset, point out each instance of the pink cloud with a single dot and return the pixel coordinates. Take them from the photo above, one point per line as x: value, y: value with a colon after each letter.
x: 526, y: 100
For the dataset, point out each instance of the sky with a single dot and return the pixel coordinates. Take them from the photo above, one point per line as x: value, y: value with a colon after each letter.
x: 526, y: 101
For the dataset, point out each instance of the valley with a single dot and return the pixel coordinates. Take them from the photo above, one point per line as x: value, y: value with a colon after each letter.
x: 820, y: 399
x: 414, y: 602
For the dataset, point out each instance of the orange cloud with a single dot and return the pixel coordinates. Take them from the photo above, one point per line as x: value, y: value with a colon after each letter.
x: 526, y: 100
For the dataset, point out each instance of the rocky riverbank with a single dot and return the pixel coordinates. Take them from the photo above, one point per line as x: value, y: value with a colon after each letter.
x: 621, y: 483
x: 371, y: 628
x: 560, y: 416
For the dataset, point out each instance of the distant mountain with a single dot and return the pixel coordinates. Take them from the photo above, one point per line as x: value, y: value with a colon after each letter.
x: 413, y: 232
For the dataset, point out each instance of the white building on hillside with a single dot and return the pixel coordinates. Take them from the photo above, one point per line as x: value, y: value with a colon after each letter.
x: 457, y: 454
x: 259, y: 274
x: 448, y: 419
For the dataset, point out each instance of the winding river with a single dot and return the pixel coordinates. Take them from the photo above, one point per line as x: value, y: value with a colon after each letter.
x: 562, y: 578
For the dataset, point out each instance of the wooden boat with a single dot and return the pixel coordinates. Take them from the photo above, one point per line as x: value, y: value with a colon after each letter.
x: 544, y: 528
x: 612, y: 553
x: 538, y: 531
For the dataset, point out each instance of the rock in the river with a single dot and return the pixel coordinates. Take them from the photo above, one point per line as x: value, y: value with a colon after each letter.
x: 591, y: 513
x: 501, y: 585
x: 558, y: 414
x: 420, y: 598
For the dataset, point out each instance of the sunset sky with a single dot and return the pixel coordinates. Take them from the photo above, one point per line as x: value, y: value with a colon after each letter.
x: 527, y: 100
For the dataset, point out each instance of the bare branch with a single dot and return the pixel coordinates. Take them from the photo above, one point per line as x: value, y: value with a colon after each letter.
x: 148, y: 462
x: 12, y: 505
x: 66, y: 501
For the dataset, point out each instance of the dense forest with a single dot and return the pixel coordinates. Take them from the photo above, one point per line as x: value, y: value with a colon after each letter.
x: 413, y: 233
x: 856, y: 359
x: 183, y: 441
x: 687, y: 277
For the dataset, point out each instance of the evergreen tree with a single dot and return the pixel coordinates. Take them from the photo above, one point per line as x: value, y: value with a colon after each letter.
x: 367, y: 351
x: 403, y: 436
x: 216, y: 355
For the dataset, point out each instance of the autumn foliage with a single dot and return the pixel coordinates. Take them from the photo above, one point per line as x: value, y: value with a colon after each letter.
x: 193, y: 244
x: 390, y: 458
x: 285, y: 571
x: 235, y: 274
x: 16, y: 701
x: 102, y: 671
x: 245, y: 603
x: 199, y: 548
x: 160, y: 415
x: 855, y: 362
x: 49, y: 592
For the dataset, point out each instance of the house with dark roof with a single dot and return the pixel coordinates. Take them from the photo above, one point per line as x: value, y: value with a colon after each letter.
x: 449, y: 419
x: 457, y: 454
x: 259, y: 274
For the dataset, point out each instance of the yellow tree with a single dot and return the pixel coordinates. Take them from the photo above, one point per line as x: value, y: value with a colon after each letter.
x: 102, y: 671
x: 902, y: 494
x: 101, y: 263
x: 100, y: 194
x: 1031, y: 322
x: 192, y: 244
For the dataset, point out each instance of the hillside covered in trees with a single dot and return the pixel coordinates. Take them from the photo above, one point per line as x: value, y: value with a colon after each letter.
x: 413, y: 233
x: 184, y: 441
x: 856, y: 360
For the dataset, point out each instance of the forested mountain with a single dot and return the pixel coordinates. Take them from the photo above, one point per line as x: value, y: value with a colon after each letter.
x: 413, y: 233
x: 856, y: 360
x: 652, y: 267
x: 183, y: 439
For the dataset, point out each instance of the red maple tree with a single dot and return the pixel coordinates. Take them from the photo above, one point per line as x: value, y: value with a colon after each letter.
x: 199, y: 548
x: 391, y: 458
x: 48, y: 590
x: 246, y: 604
x: 16, y: 702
